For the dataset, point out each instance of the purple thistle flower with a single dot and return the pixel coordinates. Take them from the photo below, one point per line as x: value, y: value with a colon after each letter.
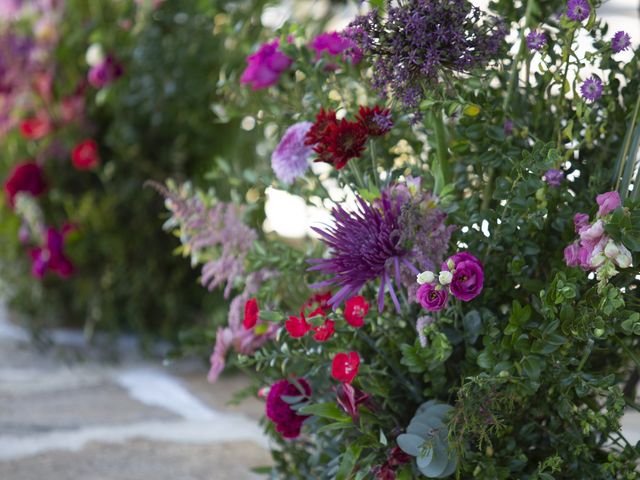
x: 620, y: 42
x: 578, y: 10
x: 591, y: 89
x: 554, y: 177
x: 290, y: 158
x: 536, y: 40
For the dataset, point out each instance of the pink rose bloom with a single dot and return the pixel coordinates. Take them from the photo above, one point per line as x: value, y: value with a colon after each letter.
x: 580, y: 220
x: 279, y: 411
x: 431, y: 298
x: 265, y: 66
x: 608, y: 202
x: 572, y: 255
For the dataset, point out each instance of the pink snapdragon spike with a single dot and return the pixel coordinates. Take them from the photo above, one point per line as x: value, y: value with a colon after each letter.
x: 265, y: 66
x: 105, y: 72
x: 608, y: 202
x: 281, y: 397
x: 51, y: 257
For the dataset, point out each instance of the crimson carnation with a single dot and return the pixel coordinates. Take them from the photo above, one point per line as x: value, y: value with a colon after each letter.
x: 325, y: 331
x: 85, y: 155
x: 251, y: 312
x: 279, y: 411
x: 344, y: 367
x: 297, y: 326
x: 26, y: 177
x: 355, y: 309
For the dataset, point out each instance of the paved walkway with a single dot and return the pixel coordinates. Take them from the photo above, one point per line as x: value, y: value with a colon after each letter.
x: 64, y: 416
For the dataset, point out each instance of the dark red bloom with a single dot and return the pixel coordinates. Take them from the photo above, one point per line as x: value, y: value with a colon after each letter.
x: 35, y: 128
x: 251, y: 312
x: 355, y: 310
x: 85, y: 155
x: 319, y: 129
x: 345, y: 366
x: 375, y: 120
x: 325, y: 331
x: 25, y: 177
x: 282, y: 396
x: 297, y: 326
x: 349, y: 397
x: 51, y: 256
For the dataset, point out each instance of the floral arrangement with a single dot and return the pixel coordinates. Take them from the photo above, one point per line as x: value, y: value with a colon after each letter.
x: 457, y: 316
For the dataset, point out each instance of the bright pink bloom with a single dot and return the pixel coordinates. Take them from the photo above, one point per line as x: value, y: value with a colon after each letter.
x: 344, y: 367
x: 35, y: 128
x: 608, y: 202
x: 431, y: 298
x: 265, y: 66
x: 334, y: 44
x: 85, y: 155
x: 297, y: 326
x: 355, y: 309
x: 278, y: 410
x: 572, y: 254
x: 580, y: 220
x: 106, y: 72
x: 51, y: 256
x: 325, y: 331
x: 468, y: 280
x: 251, y: 313
x: 26, y: 177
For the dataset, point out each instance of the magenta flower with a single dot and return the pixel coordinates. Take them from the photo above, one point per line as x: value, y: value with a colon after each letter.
x: 278, y: 407
x: 51, y: 256
x: 591, y: 89
x: 290, y: 158
x: 578, y: 10
x: 468, y: 276
x: 265, y: 66
x: 608, y: 202
x: 431, y: 297
x: 26, y: 177
x: 572, y: 254
x: 349, y: 398
x: 554, y: 177
x: 105, y: 72
x: 536, y: 40
x: 580, y: 220
x: 620, y: 42
x: 334, y: 44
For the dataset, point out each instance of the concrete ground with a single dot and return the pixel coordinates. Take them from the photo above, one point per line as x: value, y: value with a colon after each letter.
x: 65, y: 416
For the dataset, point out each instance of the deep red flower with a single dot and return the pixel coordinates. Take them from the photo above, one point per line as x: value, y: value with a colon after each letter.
x: 325, y: 331
x: 25, y: 177
x: 288, y: 422
x: 35, y: 128
x: 343, y: 141
x: 375, y: 120
x: 345, y: 366
x: 297, y: 326
x: 318, y: 130
x: 355, y: 310
x: 85, y: 155
x: 251, y: 312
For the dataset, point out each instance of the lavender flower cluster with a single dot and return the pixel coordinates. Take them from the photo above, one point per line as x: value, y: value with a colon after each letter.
x: 420, y: 40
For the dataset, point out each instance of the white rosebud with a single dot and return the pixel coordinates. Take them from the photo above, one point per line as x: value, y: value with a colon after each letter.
x: 611, y: 250
x: 445, y: 277
x: 94, y: 55
x: 425, y: 277
x: 623, y: 259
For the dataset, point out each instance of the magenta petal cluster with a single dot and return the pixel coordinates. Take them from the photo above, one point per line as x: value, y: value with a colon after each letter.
x: 578, y: 10
x: 608, y: 202
x: 334, y: 43
x: 468, y: 276
x: 105, y: 72
x: 265, y: 66
x: 51, y: 257
x: 591, y: 89
x: 580, y: 220
x: 290, y: 159
x: 432, y: 297
x: 621, y: 41
x: 288, y: 421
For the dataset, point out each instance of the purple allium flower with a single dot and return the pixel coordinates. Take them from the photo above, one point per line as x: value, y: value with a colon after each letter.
x: 432, y: 297
x: 608, y: 202
x: 278, y: 410
x: 554, y: 177
x: 419, y: 40
x: 578, y: 10
x: 536, y: 40
x: 290, y: 158
x: 620, y: 42
x: 591, y: 89
x: 265, y: 66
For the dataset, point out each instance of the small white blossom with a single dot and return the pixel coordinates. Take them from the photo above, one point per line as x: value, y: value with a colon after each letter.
x: 425, y: 277
x: 445, y: 277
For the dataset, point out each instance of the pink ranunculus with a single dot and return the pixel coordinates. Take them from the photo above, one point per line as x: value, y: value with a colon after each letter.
x: 278, y: 410
x: 580, y: 220
x: 265, y: 66
x: 431, y: 298
x: 608, y: 202
x: 572, y: 255
x: 468, y: 280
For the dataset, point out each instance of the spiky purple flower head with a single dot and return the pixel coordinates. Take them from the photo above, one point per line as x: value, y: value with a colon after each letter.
x: 290, y: 158
x: 536, y: 40
x: 578, y: 10
x: 591, y: 89
x: 620, y: 41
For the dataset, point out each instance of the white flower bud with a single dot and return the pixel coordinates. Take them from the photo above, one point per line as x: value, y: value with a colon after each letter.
x: 611, y: 250
x: 95, y: 54
x: 445, y: 277
x: 425, y: 277
x: 623, y: 259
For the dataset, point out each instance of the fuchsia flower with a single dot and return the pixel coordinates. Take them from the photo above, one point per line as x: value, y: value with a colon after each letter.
x: 431, y: 297
x: 279, y: 406
x: 51, y: 256
x: 344, y: 367
x: 26, y: 177
x: 355, y: 309
x: 251, y: 313
x: 334, y: 44
x: 290, y: 159
x: 468, y: 276
x: 580, y: 220
x: 608, y: 202
x: 105, y: 72
x: 265, y: 66
x: 349, y: 398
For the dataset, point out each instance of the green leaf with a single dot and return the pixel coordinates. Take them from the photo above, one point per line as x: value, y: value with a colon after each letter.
x: 349, y: 459
x: 326, y: 410
x: 532, y: 366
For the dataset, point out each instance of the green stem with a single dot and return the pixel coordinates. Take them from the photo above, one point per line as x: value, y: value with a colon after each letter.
x: 631, y: 354
x: 442, y: 170
x: 374, y: 166
x: 356, y: 173
x: 586, y: 354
